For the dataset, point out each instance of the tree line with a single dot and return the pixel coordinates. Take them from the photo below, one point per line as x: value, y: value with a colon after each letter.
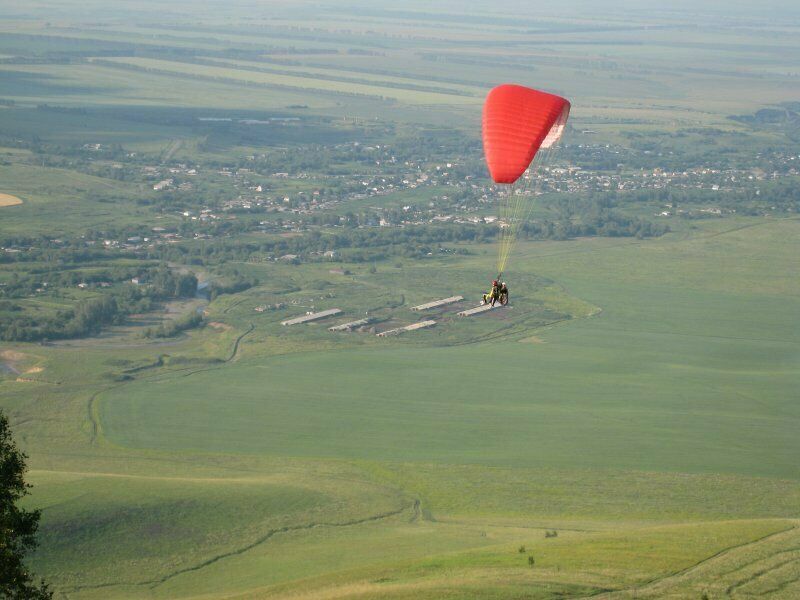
x: 88, y: 317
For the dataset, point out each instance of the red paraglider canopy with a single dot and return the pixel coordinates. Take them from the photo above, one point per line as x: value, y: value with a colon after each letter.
x: 517, y: 121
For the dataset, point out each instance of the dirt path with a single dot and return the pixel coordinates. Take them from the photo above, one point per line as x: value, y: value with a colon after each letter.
x: 91, y: 405
x: 237, y: 342
x: 156, y: 582
x: 9, y: 362
x: 8, y: 368
x: 174, y: 146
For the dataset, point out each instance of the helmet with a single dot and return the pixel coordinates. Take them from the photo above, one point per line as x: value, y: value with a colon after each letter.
x: 494, y: 282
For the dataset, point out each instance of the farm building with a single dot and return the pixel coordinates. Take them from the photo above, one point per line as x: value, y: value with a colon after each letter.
x: 476, y: 311
x: 412, y: 327
x: 351, y: 325
x: 312, y: 317
x: 162, y: 185
x: 438, y: 303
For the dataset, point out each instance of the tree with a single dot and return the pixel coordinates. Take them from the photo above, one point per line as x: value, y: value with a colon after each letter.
x: 17, y: 526
x: 186, y: 285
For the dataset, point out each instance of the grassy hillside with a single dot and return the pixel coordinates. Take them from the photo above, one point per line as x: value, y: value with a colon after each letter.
x: 673, y: 375
x: 648, y: 445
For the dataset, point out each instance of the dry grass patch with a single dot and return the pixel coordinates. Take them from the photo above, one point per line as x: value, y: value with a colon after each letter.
x: 13, y: 355
x: 534, y: 339
x: 9, y: 200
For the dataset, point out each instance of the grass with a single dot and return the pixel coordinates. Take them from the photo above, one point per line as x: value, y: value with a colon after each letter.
x: 82, y: 85
x: 518, y: 406
x: 497, y: 570
x: 355, y: 75
x: 639, y: 399
x: 58, y: 201
x: 593, y: 499
x: 661, y: 427
x: 173, y: 523
x: 713, y: 369
x: 410, y: 96
x: 613, y: 73
x: 594, y: 451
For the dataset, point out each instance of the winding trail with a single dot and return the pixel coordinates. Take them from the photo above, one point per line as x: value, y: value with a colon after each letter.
x: 93, y: 417
x: 237, y: 341
x: 156, y: 582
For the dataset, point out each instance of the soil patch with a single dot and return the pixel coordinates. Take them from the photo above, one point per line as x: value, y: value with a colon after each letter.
x: 9, y: 200
x: 12, y: 355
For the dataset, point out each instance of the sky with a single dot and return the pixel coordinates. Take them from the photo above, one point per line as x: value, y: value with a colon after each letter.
x: 773, y: 11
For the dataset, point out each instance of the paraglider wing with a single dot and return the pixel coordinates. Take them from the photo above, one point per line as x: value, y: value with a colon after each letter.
x: 520, y: 129
x: 517, y: 121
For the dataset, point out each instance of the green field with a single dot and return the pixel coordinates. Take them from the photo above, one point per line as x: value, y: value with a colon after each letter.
x: 630, y: 424
x: 676, y: 392
x: 649, y: 447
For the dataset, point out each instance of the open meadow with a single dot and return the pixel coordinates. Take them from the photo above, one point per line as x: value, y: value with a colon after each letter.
x: 292, y: 470
x: 626, y: 428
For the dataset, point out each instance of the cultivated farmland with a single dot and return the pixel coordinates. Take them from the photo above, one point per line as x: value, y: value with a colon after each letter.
x: 626, y: 428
